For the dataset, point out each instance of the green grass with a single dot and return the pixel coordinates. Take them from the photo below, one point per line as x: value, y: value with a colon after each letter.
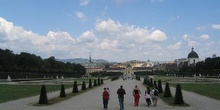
x: 13, y: 92
x: 209, y: 89
x: 164, y: 78
x: 170, y: 101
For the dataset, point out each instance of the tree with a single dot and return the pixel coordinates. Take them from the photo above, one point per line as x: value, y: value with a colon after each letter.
x: 83, y: 85
x: 178, y: 96
x: 43, y: 95
x: 62, y: 91
x: 90, y: 83
x: 160, y: 89
x: 167, y: 92
x: 75, y: 87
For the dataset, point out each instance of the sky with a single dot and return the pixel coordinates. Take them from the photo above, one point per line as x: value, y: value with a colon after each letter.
x: 114, y: 30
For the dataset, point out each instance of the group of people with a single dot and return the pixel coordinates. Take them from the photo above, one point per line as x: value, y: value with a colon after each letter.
x: 151, y: 96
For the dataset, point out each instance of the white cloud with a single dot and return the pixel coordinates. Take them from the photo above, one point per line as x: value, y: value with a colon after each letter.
x: 109, y: 40
x: 84, y: 2
x: 186, y: 37
x: 204, y: 37
x: 130, y: 32
x: 81, y: 15
x: 87, y: 37
x: 216, y: 26
x: 175, y: 46
x: 200, y: 28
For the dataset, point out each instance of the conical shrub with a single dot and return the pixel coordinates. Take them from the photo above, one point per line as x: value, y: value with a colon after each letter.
x: 167, y: 92
x: 155, y: 84
x: 99, y: 82
x: 83, y: 85
x: 95, y: 84
x: 102, y: 81
x: 160, y: 88
x: 178, y: 96
x: 62, y: 91
x: 43, y: 95
x: 151, y: 82
x: 90, y: 83
x: 75, y: 87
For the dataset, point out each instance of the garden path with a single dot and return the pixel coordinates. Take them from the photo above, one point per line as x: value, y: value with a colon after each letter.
x: 92, y: 100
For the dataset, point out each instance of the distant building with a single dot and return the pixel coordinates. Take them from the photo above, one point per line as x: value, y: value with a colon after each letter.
x: 193, y: 58
x: 214, y: 56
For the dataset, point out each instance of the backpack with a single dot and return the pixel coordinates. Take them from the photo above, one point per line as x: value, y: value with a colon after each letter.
x: 156, y: 92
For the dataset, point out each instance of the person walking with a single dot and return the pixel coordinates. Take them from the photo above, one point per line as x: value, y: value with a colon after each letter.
x: 121, y: 92
x: 108, y: 92
x: 105, y: 97
x: 155, y: 94
x: 148, y: 96
x: 136, y: 94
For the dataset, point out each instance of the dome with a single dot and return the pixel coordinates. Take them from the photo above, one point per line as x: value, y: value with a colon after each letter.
x: 193, y: 54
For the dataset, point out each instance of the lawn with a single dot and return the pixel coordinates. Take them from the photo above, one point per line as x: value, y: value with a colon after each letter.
x: 208, y: 89
x: 12, y: 92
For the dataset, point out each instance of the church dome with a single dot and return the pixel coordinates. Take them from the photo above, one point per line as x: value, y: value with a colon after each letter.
x: 193, y: 54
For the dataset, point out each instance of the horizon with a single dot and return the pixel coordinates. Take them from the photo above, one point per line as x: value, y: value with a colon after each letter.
x: 116, y: 30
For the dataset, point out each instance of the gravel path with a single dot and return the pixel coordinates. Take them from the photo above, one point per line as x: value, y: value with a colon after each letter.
x: 92, y: 100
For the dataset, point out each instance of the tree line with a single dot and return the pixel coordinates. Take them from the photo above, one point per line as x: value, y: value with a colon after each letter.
x: 26, y: 64
x: 209, y: 66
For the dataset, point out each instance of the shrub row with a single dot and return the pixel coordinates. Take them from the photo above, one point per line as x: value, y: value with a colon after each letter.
x: 43, y: 94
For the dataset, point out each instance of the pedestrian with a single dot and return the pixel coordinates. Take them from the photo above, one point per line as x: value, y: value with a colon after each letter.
x: 108, y: 92
x: 148, y: 96
x: 155, y: 94
x: 105, y: 97
x: 136, y: 94
x: 121, y: 92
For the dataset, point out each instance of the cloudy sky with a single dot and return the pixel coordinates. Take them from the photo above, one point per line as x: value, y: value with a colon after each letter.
x: 114, y: 30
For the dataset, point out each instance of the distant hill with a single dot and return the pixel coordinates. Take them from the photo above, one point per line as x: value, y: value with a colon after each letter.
x: 82, y: 60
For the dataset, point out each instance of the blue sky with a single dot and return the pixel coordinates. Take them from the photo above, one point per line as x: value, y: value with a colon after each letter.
x: 115, y: 30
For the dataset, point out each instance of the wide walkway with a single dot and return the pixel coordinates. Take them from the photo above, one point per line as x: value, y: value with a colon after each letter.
x: 92, y: 100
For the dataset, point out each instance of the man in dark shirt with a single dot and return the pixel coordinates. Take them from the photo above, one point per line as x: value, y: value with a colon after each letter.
x: 121, y: 93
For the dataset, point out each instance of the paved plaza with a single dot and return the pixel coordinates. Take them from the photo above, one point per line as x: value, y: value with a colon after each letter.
x: 92, y: 100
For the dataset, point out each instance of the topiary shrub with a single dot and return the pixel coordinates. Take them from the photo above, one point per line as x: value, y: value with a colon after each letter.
x: 160, y: 88
x: 90, y: 83
x: 155, y: 84
x: 178, y: 96
x: 102, y: 81
x: 94, y: 83
x: 83, y: 85
x: 62, y: 91
x: 167, y: 92
x: 43, y: 95
x: 75, y: 87
x: 99, y: 82
x: 151, y: 82
x: 138, y: 78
